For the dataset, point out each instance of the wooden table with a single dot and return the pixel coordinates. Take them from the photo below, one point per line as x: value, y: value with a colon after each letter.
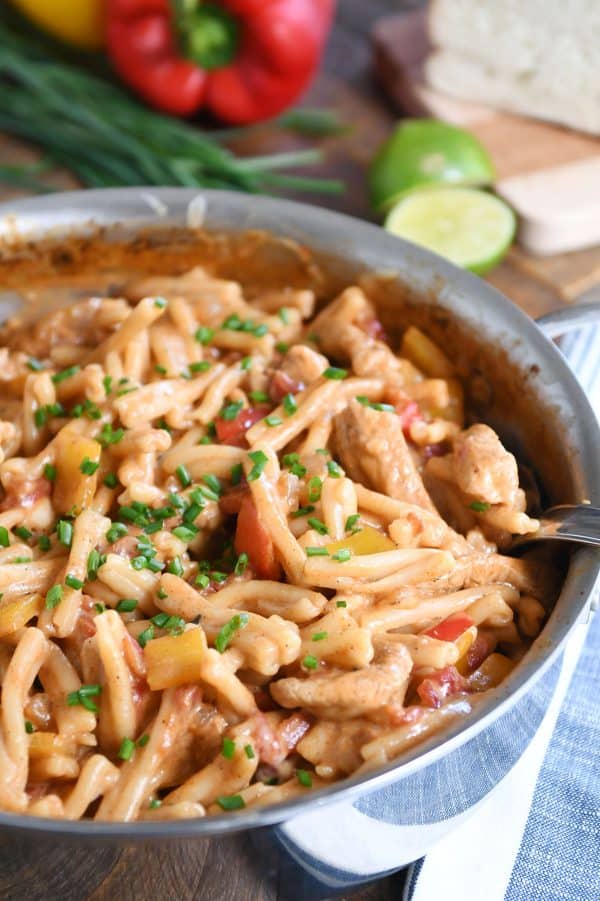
x: 245, y: 867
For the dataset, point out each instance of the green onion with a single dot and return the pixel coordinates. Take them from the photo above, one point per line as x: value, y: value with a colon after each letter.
x: 50, y: 472
x: 334, y: 469
x: 310, y: 662
x: 161, y: 303
x: 73, y: 582
x: 127, y: 748
x: 54, y: 597
x: 200, y: 366
x: 241, y: 564
x: 478, y: 506
x: 204, y: 334
x: 65, y: 374
x: 246, y: 363
x: 88, y: 467
x: 213, y: 483
x: 217, y: 576
x: 228, y: 748
x: 107, y: 382
x: 162, y: 594
x: 261, y: 330
x: 185, y: 479
x: 143, y: 740
x: 155, y: 803
x: 304, y: 778
x: 227, y: 633
x: 84, y: 697
x: 185, y: 533
x: 34, y: 364
x: 341, y: 603
x: 94, y: 562
x: 22, y: 532
x: 289, y: 404
x: 110, y: 480
x: 175, y: 567
x: 4, y: 537
x: 318, y: 526
x: 351, y: 522
x: 343, y: 555
x: 116, y: 531
x: 160, y: 370
x: 284, y: 315
x: 126, y: 605
x: 64, y: 531
x: 107, y: 435
x: 382, y: 408
x: 302, y: 511
x: 272, y: 421
x: 260, y: 460
x: 249, y: 752
x: 258, y: 397
x: 202, y: 580
x: 29, y: 727
x: 319, y: 636
x: 314, y: 489
x: 146, y: 636
x: 44, y: 543
x: 282, y: 347
x: 231, y: 802
x: 316, y: 551
x: 334, y: 372
x: 237, y: 471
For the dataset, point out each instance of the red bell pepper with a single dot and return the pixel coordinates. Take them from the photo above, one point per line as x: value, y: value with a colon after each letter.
x: 243, y: 60
x: 233, y: 431
x: 252, y: 538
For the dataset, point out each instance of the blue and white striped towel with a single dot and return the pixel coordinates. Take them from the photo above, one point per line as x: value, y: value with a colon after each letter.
x: 534, y: 837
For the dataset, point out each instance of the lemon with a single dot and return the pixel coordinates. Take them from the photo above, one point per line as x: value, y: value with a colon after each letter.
x: 425, y: 152
x: 471, y: 228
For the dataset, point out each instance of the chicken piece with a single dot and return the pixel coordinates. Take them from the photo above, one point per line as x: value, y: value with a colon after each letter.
x: 215, y: 298
x: 337, y: 334
x: 372, y: 449
x: 343, y: 696
x: 299, y: 368
x: 483, y: 468
x: 334, y: 748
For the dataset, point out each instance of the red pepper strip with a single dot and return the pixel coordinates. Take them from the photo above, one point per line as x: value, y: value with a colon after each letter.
x: 233, y: 431
x: 441, y: 685
x: 252, y: 538
x: 451, y: 628
x: 247, y: 59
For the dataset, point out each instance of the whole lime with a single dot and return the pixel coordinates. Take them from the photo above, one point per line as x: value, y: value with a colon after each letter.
x: 422, y: 153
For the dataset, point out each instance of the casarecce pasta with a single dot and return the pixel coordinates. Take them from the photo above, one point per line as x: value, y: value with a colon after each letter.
x: 245, y: 550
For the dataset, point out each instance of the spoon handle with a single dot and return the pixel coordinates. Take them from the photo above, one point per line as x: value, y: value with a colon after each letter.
x: 579, y: 522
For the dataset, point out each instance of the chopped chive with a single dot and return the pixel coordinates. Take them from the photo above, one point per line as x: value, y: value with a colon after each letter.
x: 204, y: 335
x: 343, y: 555
x: 213, y: 483
x: 117, y: 530
x: 272, y: 421
x: 341, y: 603
x: 88, y: 467
x: 161, y: 370
x: 192, y: 512
x: 110, y: 480
x: 143, y: 740
x: 316, y: 551
x: 237, y: 471
x: 232, y: 323
x: 64, y: 531
x: 160, y: 620
x: 319, y: 636
x: 4, y: 537
x: 84, y: 697
x: 124, y: 391
x: 155, y: 803
x: 50, y: 472
x: 205, y: 440
x: 231, y: 802
x: 175, y: 566
x: 334, y: 372
x: 44, y: 543
x: 261, y: 330
x: 246, y: 363
x: 202, y: 580
x: 259, y: 397
x: 34, y: 364
x: 107, y: 435
x: 73, y: 582
x: 302, y: 511
x: 127, y: 748
x: 94, y: 562
x: 310, y: 662
x: 200, y: 366
x: 304, y: 778
x: 107, y: 382
x: 59, y: 377
x: 54, y: 597
x: 289, y: 404
x: 241, y: 564
x: 146, y: 636
x: 160, y: 302
x: 185, y: 533
x: 478, y: 506
x: 318, y: 526
x: 282, y: 347
x: 237, y: 622
x: 249, y: 752
x: 228, y: 748
x: 351, y: 522
x: 217, y: 576
x: 99, y: 608
x: 39, y: 417
x: 334, y: 469
x: 162, y: 594
x: 260, y: 460
x: 290, y: 459
x: 323, y: 451
x: 22, y: 532
x: 185, y: 480
x: 29, y: 727
x: 231, y: 411
x: 314, y: 489
x: 284, y: 315
x: 126, y: 605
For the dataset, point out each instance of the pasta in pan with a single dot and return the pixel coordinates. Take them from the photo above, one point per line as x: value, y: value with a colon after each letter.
x: 245, y: 550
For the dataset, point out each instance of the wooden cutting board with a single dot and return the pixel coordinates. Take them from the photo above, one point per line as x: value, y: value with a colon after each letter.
x: 550, y: 175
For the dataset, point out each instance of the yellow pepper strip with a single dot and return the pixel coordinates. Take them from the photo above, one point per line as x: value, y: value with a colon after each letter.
x: 463, y: 643
x: 175, y: 660
x: 367, y: 541
x: 77, y: 22
x: 16, y: 614
x: 492, y: 671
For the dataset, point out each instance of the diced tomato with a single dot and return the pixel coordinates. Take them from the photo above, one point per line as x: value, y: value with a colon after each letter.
x: 441, y: 685
x: 233, y: 431
x: 252, y: 538
x: 409, y: 413
x: 231, y: 502
x: 450, y: 629
x: 282, y: 384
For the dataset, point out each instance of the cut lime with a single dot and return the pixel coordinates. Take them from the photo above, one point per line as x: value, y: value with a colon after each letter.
x: 471, y: 228
x: 425, y: 152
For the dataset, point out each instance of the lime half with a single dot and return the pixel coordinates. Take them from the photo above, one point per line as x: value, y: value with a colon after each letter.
x: 425, y: 152
x: 471, y: 228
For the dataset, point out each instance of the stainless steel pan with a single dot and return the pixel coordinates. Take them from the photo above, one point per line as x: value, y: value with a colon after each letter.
x: 566, y: 432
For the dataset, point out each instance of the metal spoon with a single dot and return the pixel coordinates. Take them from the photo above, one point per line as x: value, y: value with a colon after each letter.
x: 579, y: 523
